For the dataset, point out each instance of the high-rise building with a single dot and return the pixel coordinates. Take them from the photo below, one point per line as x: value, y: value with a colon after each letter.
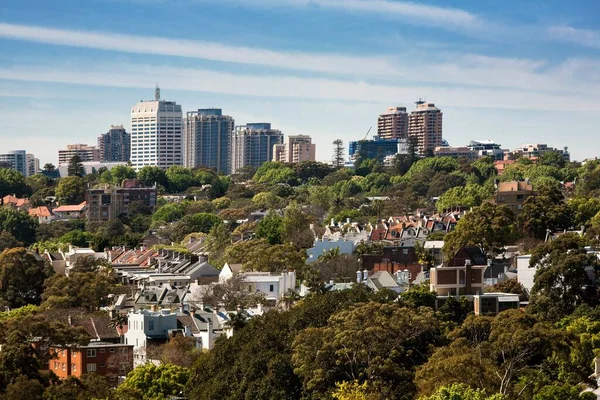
x: 156, y: 133
x: 207, y: 139
x: 425, y: 127
x: 16, y: 159
x: 297, y: 148
x: 393, y: 123
x: 85, y: 152
x: 115, y: 145
x: 33, y: 164
x: 252, y: 145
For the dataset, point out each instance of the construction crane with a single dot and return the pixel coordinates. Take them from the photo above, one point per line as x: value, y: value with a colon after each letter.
x: 365, y: 138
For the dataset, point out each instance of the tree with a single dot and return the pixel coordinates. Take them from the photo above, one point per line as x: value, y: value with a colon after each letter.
x: 462, y: 392
x: 8, y: 241
x: 270, y: 228
x: 24, y: 388
x: 259, y: 255
x: 296, y: 227
x: 70, y: 190
x: 151, y: 382
x: 22, y: 277
x: 344, y: 349
x: 488, y: 227
x: 510, y: 286
x: 306, y: 170
x: 562, y: 281
x: 338, y: 153
x: 19, y: 224
x: 544, y: 212
x: 179, y: 179
x: 201, y: 222
x: 117, y: 174
x: 274, y: 172
x: 180, y: 351
x: 49, y: 167
x: 12, y: 182
x: 153, y: 175
x: 75, y: 167
x: 118, y: 322
x: 79, y: 289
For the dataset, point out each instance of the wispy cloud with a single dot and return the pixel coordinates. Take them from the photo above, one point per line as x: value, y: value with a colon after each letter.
x: 443, y: 68
x: 287, y: 87
x: 584, y: 37
x: 327, y: 63
x: 444, y: 16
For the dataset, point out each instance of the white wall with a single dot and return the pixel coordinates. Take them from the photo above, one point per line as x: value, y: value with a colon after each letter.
x: 525, y: 274
x: 345, y: 246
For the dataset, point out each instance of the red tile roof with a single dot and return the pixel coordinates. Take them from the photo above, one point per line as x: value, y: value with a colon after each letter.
x: 8, y: 199
x: 71, y: 208
x: 41, y: 211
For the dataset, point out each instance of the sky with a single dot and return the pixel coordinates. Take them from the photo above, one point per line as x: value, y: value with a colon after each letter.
x: 514, y: 71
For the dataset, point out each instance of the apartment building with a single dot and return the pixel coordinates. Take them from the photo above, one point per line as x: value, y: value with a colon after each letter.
x: 115, y: 145
x: 16, y: 159
x: 156, y: 133
x: 297, y: 148
x: 513, y: 194
x: 393, y: 123
x: 425, y: 127
x: 207, y: 139
x: 85, y: 152
x: 110, y: 360
x: 109, y: 202
x: 253, y: 144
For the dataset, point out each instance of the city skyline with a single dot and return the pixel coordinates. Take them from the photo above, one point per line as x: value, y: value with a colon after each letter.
x: 513, y: 73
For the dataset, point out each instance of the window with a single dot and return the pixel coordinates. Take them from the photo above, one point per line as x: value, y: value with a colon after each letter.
x: 271, y: 287
x: 112, y: 350
x: 519, y: 197
x: 150, y: 325
x: 73, y: 367
x: 91, y: 367
x: 102, y: 350
x: 102, y: 365
x: 64, y: 366
x: 91, y: 352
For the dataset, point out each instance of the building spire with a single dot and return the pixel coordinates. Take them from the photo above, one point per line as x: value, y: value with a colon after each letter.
x: 157, y: 93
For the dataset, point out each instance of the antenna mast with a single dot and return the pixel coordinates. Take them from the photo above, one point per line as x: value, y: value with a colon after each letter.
x: 157, y: 93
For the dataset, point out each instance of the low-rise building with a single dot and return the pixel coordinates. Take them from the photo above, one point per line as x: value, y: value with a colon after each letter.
x: 42, y: 213
x: 72, y: 211
x: 513, y: 194
x: 110, y: 360
x: 110, y: 202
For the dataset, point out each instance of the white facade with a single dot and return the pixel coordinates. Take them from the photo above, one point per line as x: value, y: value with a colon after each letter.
x: 346, y: 246
x: 273, y: 286
x: 252, y: 145
x: 143, y: 325
x: 525, y: 274
x: 297, y: 148
x: 156, y: 134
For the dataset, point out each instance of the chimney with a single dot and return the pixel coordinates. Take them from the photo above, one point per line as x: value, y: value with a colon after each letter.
x: 70, y: 320
x: 259, y: 308
x: 365, y: 275
x: 468, y: 273
x: 331, y: 282
x: 358, y: 276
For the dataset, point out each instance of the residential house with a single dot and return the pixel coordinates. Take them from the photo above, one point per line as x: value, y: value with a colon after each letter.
x: 272, y: 285
x: 146, y: 328
x: 70, y: 211
x: 42, y: 214
x: 15, y: 202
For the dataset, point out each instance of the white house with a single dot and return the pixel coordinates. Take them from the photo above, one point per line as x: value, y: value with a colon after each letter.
x: 143, y: 326
x: 346, y: 246
x: 525, y: 274
x: 274, y: 286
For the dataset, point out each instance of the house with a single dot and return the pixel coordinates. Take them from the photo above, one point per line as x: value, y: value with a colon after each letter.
x: 457, y: 280
x: 513, y: 194
x: 70, y: 211
x: 12, y: 201
x: 148, y: 327
x: 42, y: 214
x: 320, y: 246
x: 111, y: 360
x: 272, y: 285
x: 381, y: 280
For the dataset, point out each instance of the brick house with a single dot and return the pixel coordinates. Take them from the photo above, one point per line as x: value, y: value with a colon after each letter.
x: 110, y: 360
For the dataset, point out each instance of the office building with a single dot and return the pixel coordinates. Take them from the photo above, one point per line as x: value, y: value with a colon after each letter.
x: 297, y: 148
x: 425, y: 127
x: 33, y: 164
x: 16, y: 159
x: 115, y: 145
x: 110, y: 202
x: 487, y: 148
x: 207, y: 139
x: 377, y: 148
x: 156, y: 133
x: 534, y: 151
x: 252, y: 145
x: 393, y: 123
x: 85, y: 152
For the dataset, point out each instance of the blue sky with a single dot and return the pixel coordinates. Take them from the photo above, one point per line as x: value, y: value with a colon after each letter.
x: 513, y: 71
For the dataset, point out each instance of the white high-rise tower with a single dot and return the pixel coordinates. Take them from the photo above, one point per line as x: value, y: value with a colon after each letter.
x: 156, y: 133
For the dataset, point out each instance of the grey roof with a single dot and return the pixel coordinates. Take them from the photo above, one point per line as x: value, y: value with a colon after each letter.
x: 203, y: 268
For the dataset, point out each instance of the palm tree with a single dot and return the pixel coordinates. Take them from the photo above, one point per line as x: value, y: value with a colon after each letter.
x: 118, y: 321
x: 236, y: 320
x: 330, y: 254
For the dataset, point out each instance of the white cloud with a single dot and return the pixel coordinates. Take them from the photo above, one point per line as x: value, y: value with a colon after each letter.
x: 443, y: 16
x: 290, y: 87
x: 327, y: 63
x: 438, y: 67
x: 584, y: 37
